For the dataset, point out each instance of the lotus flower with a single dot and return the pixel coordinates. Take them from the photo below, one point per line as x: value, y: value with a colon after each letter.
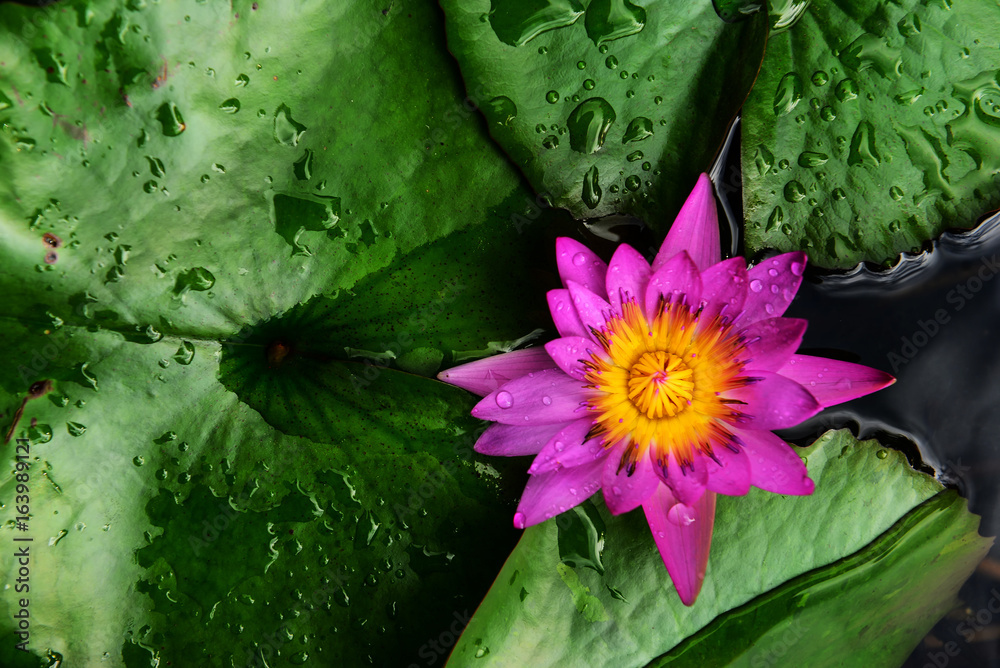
x: 663, y: 388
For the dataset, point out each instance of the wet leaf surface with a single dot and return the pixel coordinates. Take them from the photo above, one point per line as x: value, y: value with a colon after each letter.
x: 873, y: 128
x: 612, y: 109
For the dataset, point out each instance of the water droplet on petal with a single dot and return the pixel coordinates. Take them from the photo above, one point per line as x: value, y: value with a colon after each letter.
x: 504, y: 399
x: 682, y: 515
x: 756, y: 285
x: 547, y: 400
x: 579, y: 259
x: 798, y: 268
x: 769, y: 309
x: 772, y: 272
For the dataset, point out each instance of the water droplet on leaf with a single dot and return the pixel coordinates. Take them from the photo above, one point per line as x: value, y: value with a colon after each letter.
x: 589, y: 124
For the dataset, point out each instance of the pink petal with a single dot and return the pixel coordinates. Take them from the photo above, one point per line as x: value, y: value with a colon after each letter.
x: 731, y: 473
x: 678, y: 276
x: 486, y: 375
x: 771, y: 342
x: 508, y: 440
x: 579, y: 264
x: 724, y: 288
x: 624, y: 492
x: 628, y: 275
x: 569, y: 447
x: 773, y: 284
x: 687, y: 484
x: 591, y: 308
x: 546, y: 397
x: 695, y: 230
x: 773, y: 402
x: 774, y: 466
x: 569, y: 352
x: 548, y: 494
x: 833, y: 382
x: 564, y: 315
x: 683, y: 535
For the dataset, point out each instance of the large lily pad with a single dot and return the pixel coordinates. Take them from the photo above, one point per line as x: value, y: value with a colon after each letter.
x: 237, y: 246
x: 879, y: 550
x: 873, y: 127
x: 612, y: 108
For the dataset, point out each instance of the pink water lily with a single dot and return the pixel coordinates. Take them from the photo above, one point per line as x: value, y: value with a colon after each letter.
x: 663, y: 388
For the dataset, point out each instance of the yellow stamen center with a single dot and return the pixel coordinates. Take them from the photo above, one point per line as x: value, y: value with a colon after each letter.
x: 661, y: 384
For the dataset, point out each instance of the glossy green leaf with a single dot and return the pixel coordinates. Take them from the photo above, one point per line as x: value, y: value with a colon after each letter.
x: 892, y: 538
x: 872, y: 128
x: 236, y: 245
x: 613, y: 108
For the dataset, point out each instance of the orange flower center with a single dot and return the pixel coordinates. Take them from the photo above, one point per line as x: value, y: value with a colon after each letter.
x: 661, y: 385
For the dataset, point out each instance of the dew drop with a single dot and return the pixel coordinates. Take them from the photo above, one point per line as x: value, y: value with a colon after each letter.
x: 681, y: 515
x: 863, y: 149
x: 846, y: 90
x: 763, y: 159
x: 756, y: 285
x: 546, y: 400
x: 501, y: 110
x: 504, y: 399
x: 589, y: 123
x: 287, y: 130
x: 552, y: 97
x: 788, y: 93
x: 171, y: 121
x: 517, y: 23
x: 775, y: 219
x: 794, y: 191
x: 591, y: 194
x: 638, y: 129
x: 230, y: 106
x: 812, y: 159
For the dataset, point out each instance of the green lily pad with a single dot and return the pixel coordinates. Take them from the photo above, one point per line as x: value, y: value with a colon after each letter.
x: 236, y: 246
x: 879, y: 550
x: 612, y: 108
x: 873, y: 127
